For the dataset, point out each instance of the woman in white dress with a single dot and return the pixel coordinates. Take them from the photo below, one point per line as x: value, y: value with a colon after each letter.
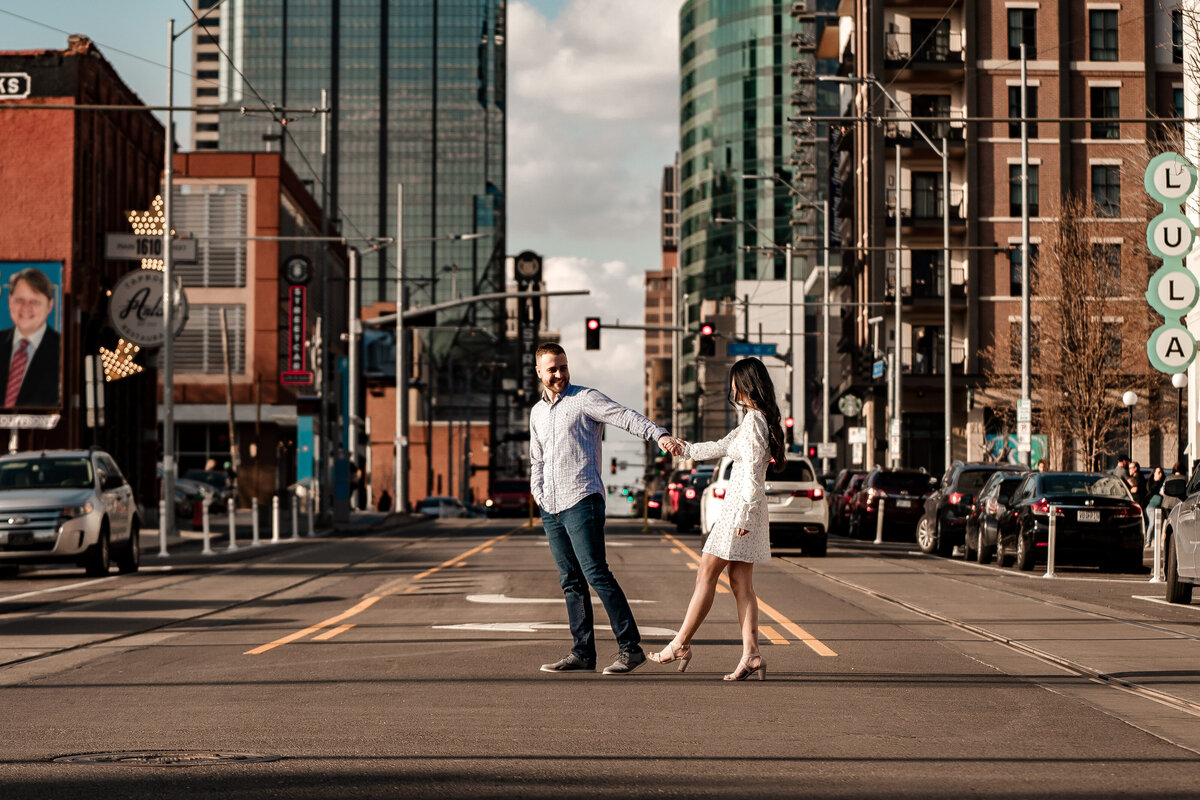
x: 740, y: 536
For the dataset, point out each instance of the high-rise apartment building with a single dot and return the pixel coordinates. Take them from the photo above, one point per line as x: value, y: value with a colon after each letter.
x: 660, y: 303
x: 952, y: 71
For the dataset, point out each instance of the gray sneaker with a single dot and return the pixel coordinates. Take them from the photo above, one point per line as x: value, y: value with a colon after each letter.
x: 569, y: 663
x: 625, y: 663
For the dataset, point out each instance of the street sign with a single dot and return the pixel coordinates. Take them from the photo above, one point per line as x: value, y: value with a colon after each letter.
x: 1024, y: 436
x: 131, y: 247
x: 877, y: 369
x: 749, y: 349
x: 1173, y: 290
x: 856, y: 452
x: 1024, y: 411
x: 856, y: 435
x: 826, y: 450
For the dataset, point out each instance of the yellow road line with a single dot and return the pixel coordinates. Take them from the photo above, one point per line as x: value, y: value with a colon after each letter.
x: 721, y: 589
x: 814, y: 644
x: 773, y: 636
x: 387, y: 589
x: 327, y: 635
x: 291, y: 637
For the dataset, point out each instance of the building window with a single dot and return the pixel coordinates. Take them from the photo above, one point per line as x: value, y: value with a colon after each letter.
x: 927, y: 195
x: 1112, y: 350
x: 1014, y: 110
x: 198, y: 348
x: 1106, y: 190
x: 207, y: 91
x: 1107, y: 259
x: 213, y: 211
x: 209, y: 56
x: 206, y: 127
x: 1014, y: 268
x: 208, y: 74
x: 1106, y: 104
x: 1177, y: 37
x: 1102, y: 29
x: 1177, y: 105
x: 1014, y: 190
x: 1022, y: 30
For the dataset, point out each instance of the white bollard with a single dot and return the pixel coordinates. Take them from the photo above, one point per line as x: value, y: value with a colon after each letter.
x: 208, y: 551
x: 1156, y: 571
x: 1049, y: 545
x: 308, y: 505
x: 295, y: 516
x: 275, y: 519
x: 254, y: 540
x: 232, y: 526
x: 162, y: 528
x: 879, y: 523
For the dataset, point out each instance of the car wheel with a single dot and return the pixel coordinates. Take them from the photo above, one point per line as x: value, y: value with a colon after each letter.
x: 1177, y: 590
x: 1024, y: 552
x: 1001, y: 553
x: 970, y: 553
x: 816, y: 547
x: 983, y: 553
x: 9, y: 570
x: 944, y: 548
x: 926, y: 538
x: 131, y: 558
x: 98, y: 560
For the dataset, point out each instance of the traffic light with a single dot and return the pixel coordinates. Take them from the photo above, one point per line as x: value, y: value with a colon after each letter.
x: 593, y: 333
x: 789, y: 431
x: 614, y: 466
x: 708, y: 342
x: 812, y: 451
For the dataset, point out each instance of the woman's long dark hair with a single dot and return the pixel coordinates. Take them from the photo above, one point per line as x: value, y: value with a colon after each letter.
x: 753, y: 383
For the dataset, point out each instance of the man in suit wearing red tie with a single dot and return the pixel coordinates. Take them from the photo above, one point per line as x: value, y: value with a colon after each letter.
x: 29, y: 351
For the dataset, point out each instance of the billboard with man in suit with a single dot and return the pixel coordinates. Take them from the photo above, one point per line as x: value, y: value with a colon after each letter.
x: 30, y: 346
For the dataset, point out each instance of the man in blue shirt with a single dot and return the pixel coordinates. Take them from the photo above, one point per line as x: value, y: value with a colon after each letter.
x: 564, y: 477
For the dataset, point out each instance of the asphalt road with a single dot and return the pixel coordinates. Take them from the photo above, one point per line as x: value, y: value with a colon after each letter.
x: 404, y: 663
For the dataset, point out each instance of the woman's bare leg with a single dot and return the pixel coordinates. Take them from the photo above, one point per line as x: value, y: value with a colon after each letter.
x: 702, y: 599
x: 741, y: 581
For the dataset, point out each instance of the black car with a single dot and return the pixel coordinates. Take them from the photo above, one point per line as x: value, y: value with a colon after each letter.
x: 1096, y: 521
x: 901, y: 493
x: 942, y: 526
x: 991, y: 505
x: 688, y: 515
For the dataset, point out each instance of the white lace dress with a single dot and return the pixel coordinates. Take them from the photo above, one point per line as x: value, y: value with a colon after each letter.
x: 745, y: 503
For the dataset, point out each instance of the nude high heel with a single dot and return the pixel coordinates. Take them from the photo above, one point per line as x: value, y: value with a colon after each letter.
x: 674, y: 652
x: 744, y: 670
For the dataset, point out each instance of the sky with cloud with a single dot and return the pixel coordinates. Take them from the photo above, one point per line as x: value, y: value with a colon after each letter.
x: 592, y: 120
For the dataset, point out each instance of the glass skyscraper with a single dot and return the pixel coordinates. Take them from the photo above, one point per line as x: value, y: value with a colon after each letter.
x: 418, y: 93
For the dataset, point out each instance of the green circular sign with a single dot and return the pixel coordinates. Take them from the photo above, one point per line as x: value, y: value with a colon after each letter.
x: 1170, y: 178
x: 1171, y: 348
x: 1173, y: 290
x: 1170, y: 235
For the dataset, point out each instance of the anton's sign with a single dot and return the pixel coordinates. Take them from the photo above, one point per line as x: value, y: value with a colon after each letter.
x: 135, y: 308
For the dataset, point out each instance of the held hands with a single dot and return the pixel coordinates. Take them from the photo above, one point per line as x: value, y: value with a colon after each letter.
x: 671, y: 444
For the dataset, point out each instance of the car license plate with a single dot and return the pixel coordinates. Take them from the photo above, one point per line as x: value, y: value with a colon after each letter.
x: 20, y: 538
x: 904, y: 504
x: 774, y: 500
x: 1088, y: 516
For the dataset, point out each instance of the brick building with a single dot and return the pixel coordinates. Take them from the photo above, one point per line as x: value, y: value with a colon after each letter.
x: 66, y: 179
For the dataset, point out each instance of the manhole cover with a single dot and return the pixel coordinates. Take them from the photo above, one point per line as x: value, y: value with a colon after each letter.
x: 166, y: 758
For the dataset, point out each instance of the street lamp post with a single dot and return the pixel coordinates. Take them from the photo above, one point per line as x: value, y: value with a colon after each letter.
x: 1130, y: 399
x: 1179, y: 380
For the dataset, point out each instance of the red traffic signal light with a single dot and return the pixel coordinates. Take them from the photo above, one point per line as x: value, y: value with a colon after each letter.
x: 788, y: 422
x: 812, y: 451
x: 706, y: 329
x: 593, y: 333
x: 614, y: 466
x: 708, y: 344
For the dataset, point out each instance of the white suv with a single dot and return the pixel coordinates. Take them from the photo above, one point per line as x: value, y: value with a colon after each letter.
x: 797, y: 507
x: 714, y: 495
x: 67, y: 505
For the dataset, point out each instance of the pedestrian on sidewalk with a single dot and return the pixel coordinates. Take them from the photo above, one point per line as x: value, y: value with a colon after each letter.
x: 741, y: 534
x: 564, y: 478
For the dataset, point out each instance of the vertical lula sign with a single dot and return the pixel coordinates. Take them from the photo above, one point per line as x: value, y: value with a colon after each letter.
x: 1173, y: 290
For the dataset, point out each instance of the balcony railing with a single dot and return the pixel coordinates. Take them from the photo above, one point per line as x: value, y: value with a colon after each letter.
x: 924, y: 206
x: 897, y: 130
x: 930, y: 360
x: 939, y: 47
x: 926, y: 282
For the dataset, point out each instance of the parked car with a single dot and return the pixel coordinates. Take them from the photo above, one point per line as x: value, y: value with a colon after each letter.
x: 1096, y: 521
x: 186, y: 494
x: 797, y: 508
x: 220, y: 482
x: 901, y: 493
x: 67, y: 505
x: 688, y: 514
x: 654, y: 506
x: 845, y: 483
x: 442, y: 507
x: 714, y: 495
x: 991, y: 505
x: 1182, y: 539
x: 942, y: 526
x: 510, y: 498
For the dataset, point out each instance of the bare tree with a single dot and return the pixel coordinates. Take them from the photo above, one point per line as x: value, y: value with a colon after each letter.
x: 1090, y: 325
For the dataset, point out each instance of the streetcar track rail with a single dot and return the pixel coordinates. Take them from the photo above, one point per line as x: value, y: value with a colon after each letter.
x: 1069, y: 665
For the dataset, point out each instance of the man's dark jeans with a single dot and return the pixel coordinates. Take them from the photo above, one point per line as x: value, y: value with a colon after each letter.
x: 576, y: 539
